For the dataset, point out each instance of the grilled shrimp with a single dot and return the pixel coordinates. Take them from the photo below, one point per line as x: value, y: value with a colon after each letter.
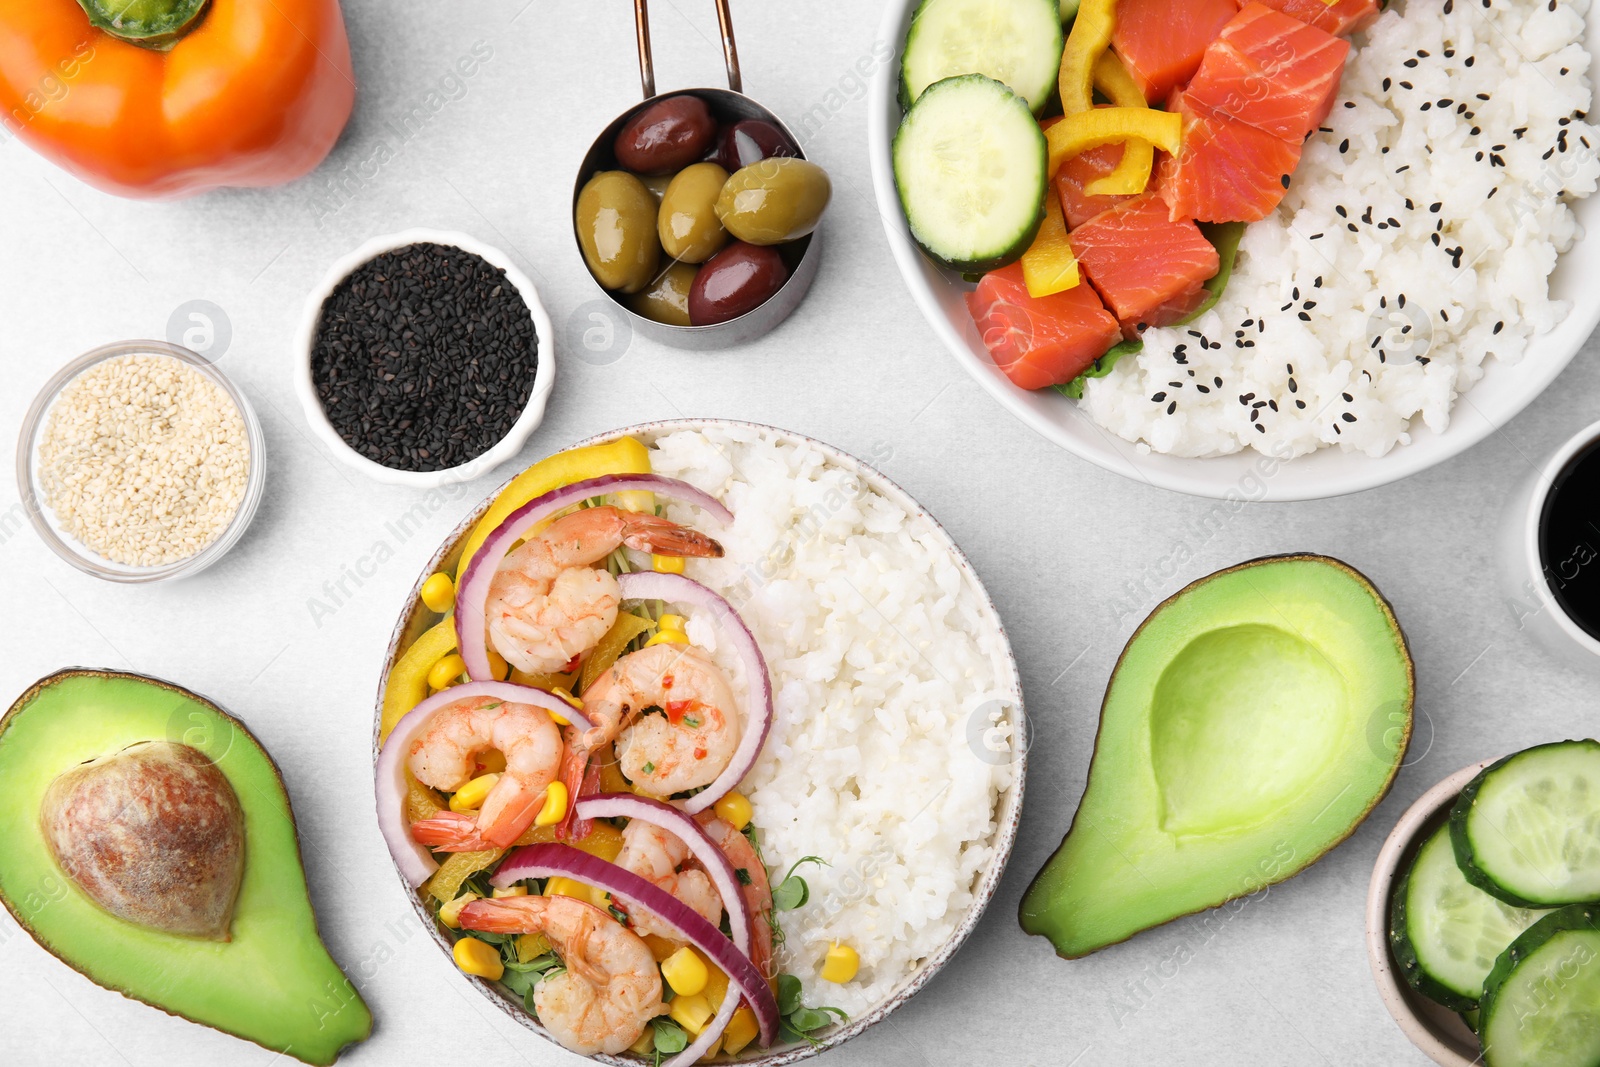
x: 611, y: 988
x: 686, y: 746
x: 755, y: 885
x: 655, y: 855
x: 445, y: 757
x: 547, y: 602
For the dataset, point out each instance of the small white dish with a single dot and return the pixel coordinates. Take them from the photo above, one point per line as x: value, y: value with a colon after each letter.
x: 1501, y: 394
x: 544, y: 378
x: 77, y: 553
x: 1523, y: 571
x: 1440, y: 1033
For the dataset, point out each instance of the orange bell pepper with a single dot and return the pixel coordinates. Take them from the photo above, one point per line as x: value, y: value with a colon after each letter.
x: 166, y: 98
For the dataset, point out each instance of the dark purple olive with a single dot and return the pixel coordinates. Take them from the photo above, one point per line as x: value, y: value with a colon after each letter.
x: 666, y: 136
x: 750, y: 141
x: 737, y: 279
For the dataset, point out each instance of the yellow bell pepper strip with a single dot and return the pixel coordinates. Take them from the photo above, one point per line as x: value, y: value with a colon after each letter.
x: 445, y: 884
x: 622, y: 456
x: 1109, y: 125
x: 421, y: 802
x: 1132, y: 174
x: 1090, y: 37
x: 1048, y: 266
x: 627, y: 627
x: 407, y: 685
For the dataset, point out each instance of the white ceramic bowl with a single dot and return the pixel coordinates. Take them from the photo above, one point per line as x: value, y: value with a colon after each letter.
x: 544, y: 378
x: 415, y: 618
x: 1495, y: 400
x: 1522, y: 568
x: 1433, y: 1028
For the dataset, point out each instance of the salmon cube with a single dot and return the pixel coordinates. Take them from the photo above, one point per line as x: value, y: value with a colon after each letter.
x: 1225, y: 171
x: 1161, y: 42
x: 1077, y: 206
x: 1340, y: 18
x: 1147, y: 267
x: 1040, y: 341
x: 1272, y: 71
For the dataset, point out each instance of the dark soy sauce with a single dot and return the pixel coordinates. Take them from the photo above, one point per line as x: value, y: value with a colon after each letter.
x: 1569, y: 538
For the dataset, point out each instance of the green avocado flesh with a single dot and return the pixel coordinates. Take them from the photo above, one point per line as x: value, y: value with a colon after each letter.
x: 273, y: 983
x: 1252, y: 722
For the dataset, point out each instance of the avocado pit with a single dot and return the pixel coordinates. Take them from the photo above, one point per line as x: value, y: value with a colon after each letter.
x: 154, y: 834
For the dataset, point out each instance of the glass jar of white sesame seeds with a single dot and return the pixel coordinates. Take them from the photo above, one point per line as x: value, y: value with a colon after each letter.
x: 141, y: 461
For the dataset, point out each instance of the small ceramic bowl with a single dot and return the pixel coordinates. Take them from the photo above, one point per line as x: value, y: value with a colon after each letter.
x: 76, y: 552
x: 544, y: 378
x: 416, y: 618
x: 1439, y: 1032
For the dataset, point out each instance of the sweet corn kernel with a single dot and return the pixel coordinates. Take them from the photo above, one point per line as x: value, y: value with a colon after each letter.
x: 562, y: 720
x: 692, y: 1013
x: 555, y: 805
x: 498, y: 666
x: 447, y: 672
x: 470, y: 796
x: 510, y: 891
x: 685, y: 972
x: 438, y: 593
x: 742, y: 1029
x: 450, y: 910
x: 562, y: 886
x: 841, y: 963
x: 670, y: 621
x: 734, y: 809
x: 666, y: 564
x: 669, y: 631
x: 479, y: 958
x: 716, y: 985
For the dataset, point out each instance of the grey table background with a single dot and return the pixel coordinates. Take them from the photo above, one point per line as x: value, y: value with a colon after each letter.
x: 1074, y: 556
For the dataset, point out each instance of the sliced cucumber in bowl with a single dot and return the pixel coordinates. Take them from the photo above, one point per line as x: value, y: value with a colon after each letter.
x: 1445, y: 932
x: 1527, y: 829
x: 970, y: 165
x: 1541, y: 1003
x: 1016, y: 42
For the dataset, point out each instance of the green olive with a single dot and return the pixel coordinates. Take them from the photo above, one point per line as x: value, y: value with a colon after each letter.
x: 657, y: 184
x: 688, y: 223
x: 667, y: 298
x: 616, y: 222
x: 774, y: 200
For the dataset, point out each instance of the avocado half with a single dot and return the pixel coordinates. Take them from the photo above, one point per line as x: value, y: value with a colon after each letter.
x: 1250, y: 725
x: 273, y: 983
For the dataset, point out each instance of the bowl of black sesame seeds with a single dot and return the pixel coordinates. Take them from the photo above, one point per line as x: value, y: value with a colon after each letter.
x: 425, y: 358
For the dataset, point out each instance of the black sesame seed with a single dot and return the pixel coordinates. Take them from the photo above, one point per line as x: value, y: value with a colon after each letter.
x: 1347, y: 417
x: 1172, y: 407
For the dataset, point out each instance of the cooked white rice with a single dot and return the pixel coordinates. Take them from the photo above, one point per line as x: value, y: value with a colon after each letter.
x: 886, y: 663
x: 1415, y: 242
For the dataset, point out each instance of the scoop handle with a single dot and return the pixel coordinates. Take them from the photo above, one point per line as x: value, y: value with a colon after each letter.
x: 647, y: 69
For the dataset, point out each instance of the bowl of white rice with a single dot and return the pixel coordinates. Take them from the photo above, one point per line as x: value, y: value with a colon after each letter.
x: 898, y: 749
x: 1423, y: 280
x: 140, y: 461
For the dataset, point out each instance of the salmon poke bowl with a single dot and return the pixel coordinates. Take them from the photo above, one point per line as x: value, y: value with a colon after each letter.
x: 699, y: 741
x: 1271, y: 248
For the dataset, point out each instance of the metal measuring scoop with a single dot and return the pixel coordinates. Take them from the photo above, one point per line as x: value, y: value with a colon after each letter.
x: 727, y: 106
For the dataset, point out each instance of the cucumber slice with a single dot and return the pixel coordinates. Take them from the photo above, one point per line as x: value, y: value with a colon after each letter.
x: 1541, y: 1003
x: 1527, y: 829
x: 1445, y: 932
x: 970, y: 167
x: 1016, y: 42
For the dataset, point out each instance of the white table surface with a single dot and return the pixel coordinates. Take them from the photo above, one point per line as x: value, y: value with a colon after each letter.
x: 1074, y: 556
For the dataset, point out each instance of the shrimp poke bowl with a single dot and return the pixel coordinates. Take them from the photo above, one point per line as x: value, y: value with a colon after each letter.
x: 1319, y: 244
x: 699, y: 741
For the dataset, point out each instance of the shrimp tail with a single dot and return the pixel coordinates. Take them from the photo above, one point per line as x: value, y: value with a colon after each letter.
x: 449, y: 831
x: 581, y: 775
x: 511, y: 915
x: 651, y: 533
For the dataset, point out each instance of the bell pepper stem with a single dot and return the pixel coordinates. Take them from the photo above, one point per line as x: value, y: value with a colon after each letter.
x: 153, y: 24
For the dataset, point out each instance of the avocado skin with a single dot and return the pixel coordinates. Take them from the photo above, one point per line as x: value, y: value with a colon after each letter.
x: 1039, y: 913
x: 274, y: 984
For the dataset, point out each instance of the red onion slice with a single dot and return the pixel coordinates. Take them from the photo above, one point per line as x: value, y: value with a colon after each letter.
x: 546, y: 860
x: 676, y: 589
x: 701, y: 847
x: 472, y: 590
x: 415, y: 862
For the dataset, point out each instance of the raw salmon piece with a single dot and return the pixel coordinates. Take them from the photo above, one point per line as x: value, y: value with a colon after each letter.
x: 1040, y: 341
x: 1077, y: 206
x: 1226, y: 171
x: 1161, y: 42
x: 1340, y: 18
x: 1272, y: 71
x: 1143, y: 263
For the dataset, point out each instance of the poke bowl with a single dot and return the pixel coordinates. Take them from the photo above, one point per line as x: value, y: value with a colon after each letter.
x: 1129, y: 423
x: 934, y: 796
